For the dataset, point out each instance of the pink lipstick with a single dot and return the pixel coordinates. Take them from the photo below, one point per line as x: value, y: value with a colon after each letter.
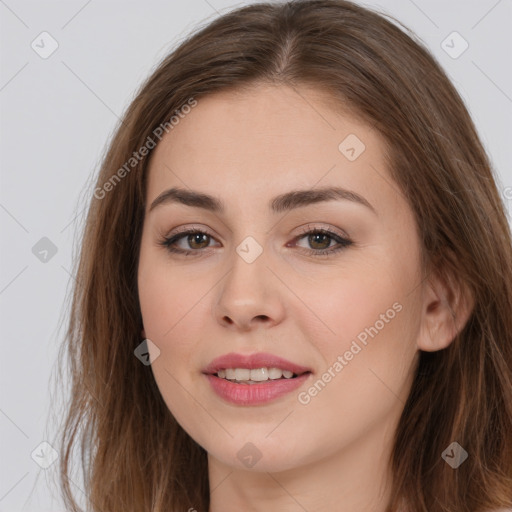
x: 254, y: 379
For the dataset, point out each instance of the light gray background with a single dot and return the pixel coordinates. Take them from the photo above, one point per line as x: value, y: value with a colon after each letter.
x: 57, y: 115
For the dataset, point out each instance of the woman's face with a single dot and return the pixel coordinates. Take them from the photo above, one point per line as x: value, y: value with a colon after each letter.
x: 254, y: 280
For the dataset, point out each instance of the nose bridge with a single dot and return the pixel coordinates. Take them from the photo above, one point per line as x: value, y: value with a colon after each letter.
x: 249, y: 292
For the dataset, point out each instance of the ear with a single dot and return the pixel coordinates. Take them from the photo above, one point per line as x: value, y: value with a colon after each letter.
x: 447, y: 305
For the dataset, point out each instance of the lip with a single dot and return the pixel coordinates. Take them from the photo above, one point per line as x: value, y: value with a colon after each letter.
x: 252, y: 362
x: 255, y: 394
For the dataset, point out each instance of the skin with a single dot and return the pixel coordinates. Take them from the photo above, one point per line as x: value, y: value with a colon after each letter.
x: 245, y: 148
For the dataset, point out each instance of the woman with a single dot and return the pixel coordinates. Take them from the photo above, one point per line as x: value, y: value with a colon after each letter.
x: 295, y: 281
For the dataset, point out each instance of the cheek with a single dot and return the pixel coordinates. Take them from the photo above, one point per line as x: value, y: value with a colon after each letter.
x: 169, y: 305
x: 166, y: 296
x: 341, y: 307
x: 175, y: 302
x: 370, y: 318
x: 367, y: 365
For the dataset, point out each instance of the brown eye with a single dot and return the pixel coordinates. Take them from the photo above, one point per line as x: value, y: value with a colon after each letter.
x: 198, y: 238
x: 320, y: 242
x: 194, y: 240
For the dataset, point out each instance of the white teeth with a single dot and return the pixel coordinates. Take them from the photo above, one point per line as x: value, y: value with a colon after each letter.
x: 242, y: 374
x: 230, y: 373
x: 274, y: 373
x: 259, y: 374
x: 255, y: 375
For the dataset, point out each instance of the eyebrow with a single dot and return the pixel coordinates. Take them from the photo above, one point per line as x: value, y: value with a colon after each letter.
x: 284, y: 202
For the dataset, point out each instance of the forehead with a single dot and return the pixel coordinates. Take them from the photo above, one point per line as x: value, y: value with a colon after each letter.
x: 264, y: 141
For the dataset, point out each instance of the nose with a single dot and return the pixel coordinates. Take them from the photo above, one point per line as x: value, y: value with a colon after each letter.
x: 250, y: 296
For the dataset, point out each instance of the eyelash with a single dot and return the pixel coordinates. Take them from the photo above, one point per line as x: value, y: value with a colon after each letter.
x: 168, y: 242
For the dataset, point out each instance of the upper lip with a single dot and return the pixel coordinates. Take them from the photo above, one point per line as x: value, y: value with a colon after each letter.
x: 253, y: 361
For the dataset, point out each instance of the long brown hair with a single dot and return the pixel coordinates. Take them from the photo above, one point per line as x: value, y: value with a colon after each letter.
x: 135, y: 456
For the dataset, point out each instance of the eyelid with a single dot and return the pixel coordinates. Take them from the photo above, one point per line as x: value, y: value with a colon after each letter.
x: 189, y: 228
x: 306, y: 229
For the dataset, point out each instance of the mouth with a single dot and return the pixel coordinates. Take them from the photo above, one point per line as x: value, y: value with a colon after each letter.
x: 255, y: 379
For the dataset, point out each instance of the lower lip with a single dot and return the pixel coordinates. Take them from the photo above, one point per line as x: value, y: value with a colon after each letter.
x: 254, y: 394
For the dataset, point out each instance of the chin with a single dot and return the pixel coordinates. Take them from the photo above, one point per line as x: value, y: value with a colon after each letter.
x: 261, y: 455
